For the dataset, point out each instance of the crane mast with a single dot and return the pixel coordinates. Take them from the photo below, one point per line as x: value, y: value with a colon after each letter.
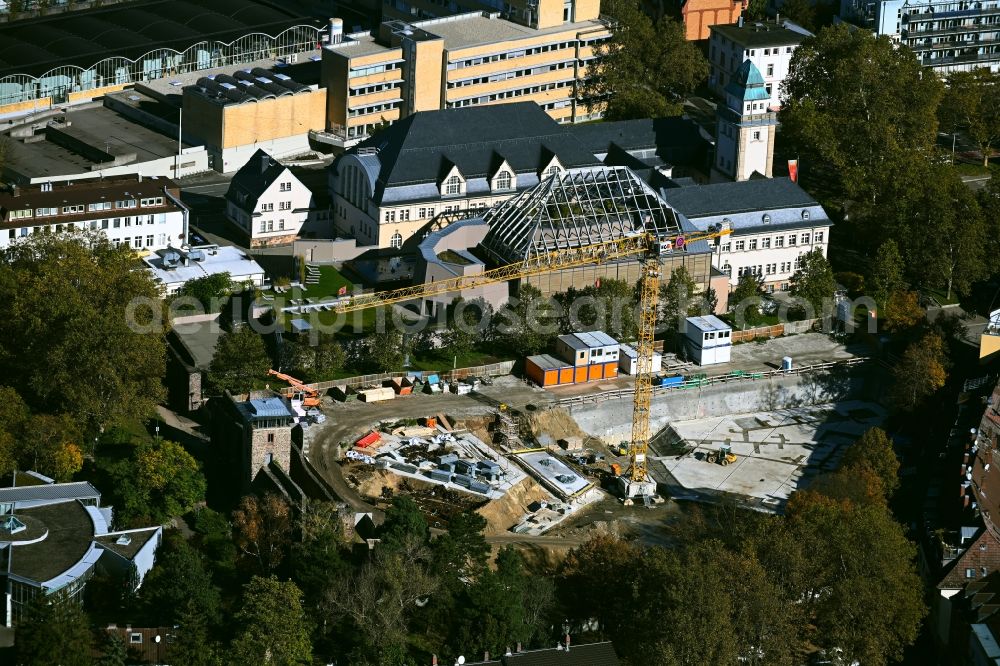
x: 650, y: 249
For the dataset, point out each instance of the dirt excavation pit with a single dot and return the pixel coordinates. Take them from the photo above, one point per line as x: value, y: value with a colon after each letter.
x: 437, y: 503
x: 502, y: 514
x: 549, y: 426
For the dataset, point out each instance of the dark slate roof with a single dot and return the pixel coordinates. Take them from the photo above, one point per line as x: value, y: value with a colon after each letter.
x: 476, y: 139
x: 52, y: 491
x: 594, y: 654
x: 759, y: 34
x: 70, y: 535
x: 667, y: 135
x: 253, y: 178
x: 739, y: 197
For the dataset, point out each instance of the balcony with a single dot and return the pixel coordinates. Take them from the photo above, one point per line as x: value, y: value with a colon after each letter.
x: 955, y: 30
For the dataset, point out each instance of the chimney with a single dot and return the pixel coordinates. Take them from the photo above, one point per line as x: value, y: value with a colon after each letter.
x: 336, y: 30
x: 567, y: 642
x: 15, y: 190
x: 434, y: 660
x: 739, y: 23
x: 140, y: 176
x: 265, y: 161
x: 508, y: 652
x: 518, y: 647
x: 486, y: 655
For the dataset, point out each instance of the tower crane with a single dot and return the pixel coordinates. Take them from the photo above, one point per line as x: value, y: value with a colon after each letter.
x: 649, y: 248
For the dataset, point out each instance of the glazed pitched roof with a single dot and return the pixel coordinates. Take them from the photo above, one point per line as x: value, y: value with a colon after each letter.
x: 576, y: 208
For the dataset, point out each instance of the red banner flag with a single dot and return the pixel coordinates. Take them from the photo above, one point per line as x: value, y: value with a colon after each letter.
x: 793, y: 170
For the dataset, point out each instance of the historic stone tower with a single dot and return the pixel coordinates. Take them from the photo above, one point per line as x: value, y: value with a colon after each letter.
x: 744, y: 141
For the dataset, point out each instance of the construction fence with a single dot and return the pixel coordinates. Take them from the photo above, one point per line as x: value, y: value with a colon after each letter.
x: 491, y: 370
x: 697, y: 381
x: 788, y: 328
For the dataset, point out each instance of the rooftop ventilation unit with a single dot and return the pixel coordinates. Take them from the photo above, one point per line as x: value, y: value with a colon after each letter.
x: 123, y: 540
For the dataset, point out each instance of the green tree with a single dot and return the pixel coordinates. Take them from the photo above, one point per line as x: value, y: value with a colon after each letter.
x: 874, y: 451
x: 404, y: 523
x: 944, y: 233
x: 115, y: 653
x: 469, y: 320
x: 813, y: 281
x: 802, y: 12
x: 54, y: 630
x: 526, y: 324
x: 746, y: 298
x: 273, y: 627
x: 240, y: 361
x: 210, y: 290
x: 159, y: 481
x: 53, y: 447
x: 677, y: 300
x: 330, y: 358
x: 193, y: 645
x: 386, y: 351
x: 646, y: 68
x: 179, y: 579
x: 865, y: 597
x: 316, y: 558
x: 263, y: 527
x: 921, y: 371
x: 886, y: 277
x: 88, y: 329
x: 862, y: 106
x: 973, y: 103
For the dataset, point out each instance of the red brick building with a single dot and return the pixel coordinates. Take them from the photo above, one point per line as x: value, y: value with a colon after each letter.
x: 700, y: 15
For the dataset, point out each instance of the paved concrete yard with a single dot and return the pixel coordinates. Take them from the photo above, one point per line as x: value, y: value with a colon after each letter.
x: 805, y: 349
x: 777, y: 452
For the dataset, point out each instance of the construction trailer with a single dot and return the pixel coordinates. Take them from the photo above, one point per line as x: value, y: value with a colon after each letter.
x: 708, y: 339
x: 628, y: 360
x: 590, y: 348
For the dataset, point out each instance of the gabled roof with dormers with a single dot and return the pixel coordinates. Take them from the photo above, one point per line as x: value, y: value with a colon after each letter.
x: 413, y: 153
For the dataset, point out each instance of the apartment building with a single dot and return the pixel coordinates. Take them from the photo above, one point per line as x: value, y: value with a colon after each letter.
x: 388, y: 189
x: 946, y: 36
x: 470, y: 59
x: 270, y: 205
x: 144, y: 214
x: 769, y: 45
x: 773, y: 221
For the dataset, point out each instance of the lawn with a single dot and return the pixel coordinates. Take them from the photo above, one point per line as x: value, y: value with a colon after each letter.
x: 940, y: 297
x: 440, y: 360
x: 330, y: 282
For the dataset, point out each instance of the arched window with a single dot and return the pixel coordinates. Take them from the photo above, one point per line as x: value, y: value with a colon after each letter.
x: 396, y: 241
x: 453, y: 185
x: 503, y: 180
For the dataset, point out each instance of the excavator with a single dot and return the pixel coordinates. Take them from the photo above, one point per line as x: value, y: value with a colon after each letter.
x: 308, y: 395
x: 649, y: 248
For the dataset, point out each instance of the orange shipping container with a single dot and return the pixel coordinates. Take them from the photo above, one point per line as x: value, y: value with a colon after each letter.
x: 610, y: 370
x: 581, y: 375
x: 566, y: 376
x: 595, y: 372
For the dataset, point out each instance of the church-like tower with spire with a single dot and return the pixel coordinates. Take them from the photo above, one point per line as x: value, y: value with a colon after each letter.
x: 744, y: 141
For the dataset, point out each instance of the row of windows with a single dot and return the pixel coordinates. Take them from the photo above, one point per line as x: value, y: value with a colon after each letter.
x: 268, y: 225
x: 374, y: 69
x: 373, y: 108
x: 374, y: 88
x: 779, y: 241
x: 765, y: 269
x: 114, y: 223
x: 136, y: 242
x: 74, y: 209
x: 509, y: 55
x: 506, y: 94
x: 513, y: 74
x: 269, y: 206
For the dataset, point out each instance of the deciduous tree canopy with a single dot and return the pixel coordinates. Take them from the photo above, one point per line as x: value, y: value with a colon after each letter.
x: 68, y: 303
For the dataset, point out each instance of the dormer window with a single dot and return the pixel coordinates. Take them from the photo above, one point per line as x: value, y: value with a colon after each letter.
x: 766, y: 219
x: 504, y: 181
x: 805, y: 215
x: 453, y: 185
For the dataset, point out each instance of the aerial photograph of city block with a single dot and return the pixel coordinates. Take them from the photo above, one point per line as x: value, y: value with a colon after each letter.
x: 499, y: 333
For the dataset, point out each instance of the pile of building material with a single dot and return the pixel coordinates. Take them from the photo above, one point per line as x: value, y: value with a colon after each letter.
x: 456, y: 460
